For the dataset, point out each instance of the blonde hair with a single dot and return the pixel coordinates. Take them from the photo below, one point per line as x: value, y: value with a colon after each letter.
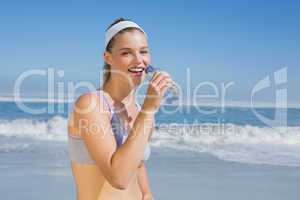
x: 106, y: 72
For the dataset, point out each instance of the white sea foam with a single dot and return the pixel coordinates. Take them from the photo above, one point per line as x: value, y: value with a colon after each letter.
x: 52, y: 129
x: 249, y: 144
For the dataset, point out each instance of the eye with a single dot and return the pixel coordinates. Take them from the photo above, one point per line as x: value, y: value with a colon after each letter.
x: 125, y: 53
x: 144, y: 52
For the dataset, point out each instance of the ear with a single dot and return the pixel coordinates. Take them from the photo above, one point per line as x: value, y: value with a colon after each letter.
x: 107, y: 57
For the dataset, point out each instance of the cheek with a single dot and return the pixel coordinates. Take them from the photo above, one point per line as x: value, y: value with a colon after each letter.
x: 121, y: 61
x: 148, y: 58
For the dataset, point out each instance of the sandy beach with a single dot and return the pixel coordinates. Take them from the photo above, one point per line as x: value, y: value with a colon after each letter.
x: 174, y: 175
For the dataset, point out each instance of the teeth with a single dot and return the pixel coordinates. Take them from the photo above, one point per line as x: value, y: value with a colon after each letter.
x: 136, y: 70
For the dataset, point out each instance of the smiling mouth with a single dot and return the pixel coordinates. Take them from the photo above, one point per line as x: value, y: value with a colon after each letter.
x: 136, y: 69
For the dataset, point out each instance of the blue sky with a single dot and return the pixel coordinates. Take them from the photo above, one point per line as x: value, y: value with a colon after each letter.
x: 219, y: 41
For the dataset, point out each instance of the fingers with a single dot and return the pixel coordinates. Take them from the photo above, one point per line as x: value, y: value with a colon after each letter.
x: 165, y: 86
x: 158, y: 75
x: 161, y: 81
x: 157, y: 87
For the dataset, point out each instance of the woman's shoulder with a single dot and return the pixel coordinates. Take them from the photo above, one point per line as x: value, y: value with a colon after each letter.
x: 90, y: 102
x: 86, y: 98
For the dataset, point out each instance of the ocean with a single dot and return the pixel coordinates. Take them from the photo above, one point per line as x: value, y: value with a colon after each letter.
x: 198, y: 152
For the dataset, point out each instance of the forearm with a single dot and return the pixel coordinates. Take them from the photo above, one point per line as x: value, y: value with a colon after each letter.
x: 129, y: 156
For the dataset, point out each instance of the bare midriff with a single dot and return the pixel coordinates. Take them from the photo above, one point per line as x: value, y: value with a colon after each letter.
x: 92, y: 185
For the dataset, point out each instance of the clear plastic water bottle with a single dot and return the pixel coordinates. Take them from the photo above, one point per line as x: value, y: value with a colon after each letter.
x: 172, y: 94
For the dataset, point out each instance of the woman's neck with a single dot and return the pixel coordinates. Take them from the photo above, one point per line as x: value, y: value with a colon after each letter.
x: 120, y: 93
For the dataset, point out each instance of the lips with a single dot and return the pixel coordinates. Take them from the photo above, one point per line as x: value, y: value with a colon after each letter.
x: 136, y: 69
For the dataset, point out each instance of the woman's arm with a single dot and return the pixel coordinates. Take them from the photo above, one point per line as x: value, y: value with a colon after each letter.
x: 93, y: 122
x: 118, y: 165
x: 144, y: 183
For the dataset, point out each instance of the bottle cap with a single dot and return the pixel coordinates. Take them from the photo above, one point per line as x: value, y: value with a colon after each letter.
x: 149, y: 69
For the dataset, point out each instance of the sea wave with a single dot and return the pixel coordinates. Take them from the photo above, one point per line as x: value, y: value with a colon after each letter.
x: 231, y: 142
x: 246, y: 144
x: 53, y: 129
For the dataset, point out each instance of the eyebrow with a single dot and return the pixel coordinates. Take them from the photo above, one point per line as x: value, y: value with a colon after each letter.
x: 126, y: 48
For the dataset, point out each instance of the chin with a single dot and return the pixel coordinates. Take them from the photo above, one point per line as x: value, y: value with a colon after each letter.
x: 137, y: 82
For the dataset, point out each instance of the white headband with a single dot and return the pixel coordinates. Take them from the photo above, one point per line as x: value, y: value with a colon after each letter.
x: 112, y: 31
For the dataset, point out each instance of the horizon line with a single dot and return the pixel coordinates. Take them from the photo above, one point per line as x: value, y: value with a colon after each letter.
x: 243, y: 104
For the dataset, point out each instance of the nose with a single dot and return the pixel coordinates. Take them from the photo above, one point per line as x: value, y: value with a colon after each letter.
x: 138, y: 59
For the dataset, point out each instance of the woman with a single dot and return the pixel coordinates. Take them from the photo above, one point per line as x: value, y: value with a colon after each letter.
x: 108, y: 131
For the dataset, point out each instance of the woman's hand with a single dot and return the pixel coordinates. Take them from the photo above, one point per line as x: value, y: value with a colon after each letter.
x: 147, y: 196
x: 157, y: 87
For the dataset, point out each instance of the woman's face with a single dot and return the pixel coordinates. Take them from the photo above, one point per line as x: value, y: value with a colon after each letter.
x: 129, y: 57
